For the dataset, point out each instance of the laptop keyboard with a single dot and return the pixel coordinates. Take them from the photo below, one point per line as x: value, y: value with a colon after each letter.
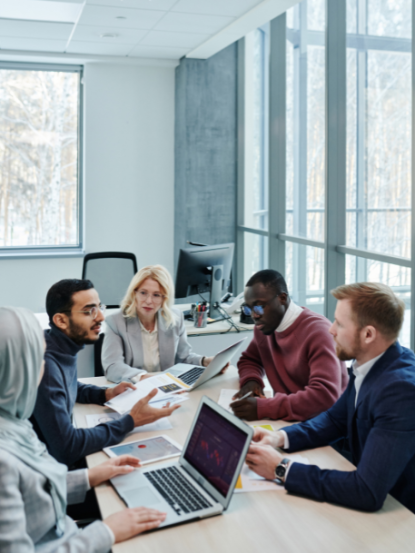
x: 191, y: 376
x: 176, y: 490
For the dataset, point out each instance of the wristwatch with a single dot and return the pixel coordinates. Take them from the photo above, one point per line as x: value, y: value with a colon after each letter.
x: 281, y: 471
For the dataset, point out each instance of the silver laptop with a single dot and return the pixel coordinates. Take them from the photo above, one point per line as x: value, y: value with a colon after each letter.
x: 195, y: 375
x: 201, y: 483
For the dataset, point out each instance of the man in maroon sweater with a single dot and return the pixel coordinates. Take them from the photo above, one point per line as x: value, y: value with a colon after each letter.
x: 293, y: 347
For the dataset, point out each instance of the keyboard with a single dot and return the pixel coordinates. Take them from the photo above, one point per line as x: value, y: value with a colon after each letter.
x: 191, y: 376
x: 177, y: 490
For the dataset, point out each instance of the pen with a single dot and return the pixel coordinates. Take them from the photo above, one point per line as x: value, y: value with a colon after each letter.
x: 245, y: 396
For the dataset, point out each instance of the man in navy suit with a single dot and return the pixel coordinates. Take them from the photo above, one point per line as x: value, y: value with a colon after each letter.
x: 376, y: 413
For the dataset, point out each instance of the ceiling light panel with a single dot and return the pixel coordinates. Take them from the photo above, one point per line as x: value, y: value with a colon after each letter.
x: 90, y: 33
x: 174, y: 40
x: 191, y: 23
x: 40, y: 10
x: 234, y: 8
x: 107, y: 16
x: 35, y: 29
x: 162, y: 5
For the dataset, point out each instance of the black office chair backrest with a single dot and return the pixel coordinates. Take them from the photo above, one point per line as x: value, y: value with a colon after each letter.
x: 110, y: 273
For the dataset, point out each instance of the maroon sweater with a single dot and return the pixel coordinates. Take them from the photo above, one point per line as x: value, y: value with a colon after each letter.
x: 301, y: 366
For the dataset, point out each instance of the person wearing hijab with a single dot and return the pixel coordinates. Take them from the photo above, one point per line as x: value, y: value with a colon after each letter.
x: 35, y: 488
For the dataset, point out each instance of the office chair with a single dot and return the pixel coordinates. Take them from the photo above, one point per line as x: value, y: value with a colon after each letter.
x: 110, y: 273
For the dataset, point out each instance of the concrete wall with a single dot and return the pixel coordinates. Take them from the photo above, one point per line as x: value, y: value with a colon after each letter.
x: 205, y: 150
x: 129, y: 178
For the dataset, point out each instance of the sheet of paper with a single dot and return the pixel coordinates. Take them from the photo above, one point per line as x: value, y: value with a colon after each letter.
x: 165, y: 384
x: 173, y: 400
x: 225, y: 398
x: 249, y: 481
x: 161, y: 424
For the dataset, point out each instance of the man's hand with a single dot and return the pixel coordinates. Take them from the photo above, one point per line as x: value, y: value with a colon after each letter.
x: 251, y: 386
x: 113, y: 467
x: 266, y: 437
x: 143, y: 413
x: 117, y: 390
x: 130, y: 522
x: 246, y: 409
x: 263, y: 460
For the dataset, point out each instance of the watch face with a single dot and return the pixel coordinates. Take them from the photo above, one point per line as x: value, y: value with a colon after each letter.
x: 280, y: 471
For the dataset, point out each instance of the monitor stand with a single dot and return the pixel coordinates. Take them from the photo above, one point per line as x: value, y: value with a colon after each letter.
x: 216, y: 292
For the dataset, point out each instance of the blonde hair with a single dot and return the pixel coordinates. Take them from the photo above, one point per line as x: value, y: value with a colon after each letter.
x: 374, y: 304
x: 162, y: 276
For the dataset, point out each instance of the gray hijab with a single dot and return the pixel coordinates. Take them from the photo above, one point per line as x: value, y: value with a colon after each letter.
x: 21, y: 356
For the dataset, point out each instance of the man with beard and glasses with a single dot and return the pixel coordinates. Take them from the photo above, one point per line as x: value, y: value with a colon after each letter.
x: 75, y: 317
x: 376, y: 414
x: 293, y: 348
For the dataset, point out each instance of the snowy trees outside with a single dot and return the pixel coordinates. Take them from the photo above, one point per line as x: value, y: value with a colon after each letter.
x: 38, y: 158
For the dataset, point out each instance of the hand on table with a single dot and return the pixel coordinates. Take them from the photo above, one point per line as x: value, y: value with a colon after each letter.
x: 131, y: 522
x: 117, y: 390
x: 246, y: 409
x: 143, y: 413
x: 263, y: 459
x: 266, y: 437
x: 113, y: 467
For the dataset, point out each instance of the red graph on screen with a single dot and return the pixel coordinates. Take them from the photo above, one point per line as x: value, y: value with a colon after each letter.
x: 212, y: 455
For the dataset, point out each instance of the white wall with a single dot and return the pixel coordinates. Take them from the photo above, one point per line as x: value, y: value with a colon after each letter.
x: 129, y: 178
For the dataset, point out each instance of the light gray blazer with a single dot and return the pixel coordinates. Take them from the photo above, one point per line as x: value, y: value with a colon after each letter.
x: 122, y: 350
x: 27, y: 515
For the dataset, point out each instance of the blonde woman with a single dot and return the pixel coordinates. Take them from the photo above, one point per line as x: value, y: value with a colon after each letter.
x: 147, y: 334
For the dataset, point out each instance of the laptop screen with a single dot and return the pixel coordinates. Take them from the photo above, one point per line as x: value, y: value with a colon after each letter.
x: 214, y: 448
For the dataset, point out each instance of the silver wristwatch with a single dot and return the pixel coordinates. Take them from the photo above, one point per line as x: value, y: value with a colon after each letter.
x: 281, y: 471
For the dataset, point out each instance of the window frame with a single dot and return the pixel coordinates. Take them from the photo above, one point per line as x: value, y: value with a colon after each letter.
x: 77, y: 250
x: 334, y: 244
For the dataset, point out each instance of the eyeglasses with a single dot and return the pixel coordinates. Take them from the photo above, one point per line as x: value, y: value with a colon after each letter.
x: 257, y: 309
x: 144, y: 295
x: 93, y: 312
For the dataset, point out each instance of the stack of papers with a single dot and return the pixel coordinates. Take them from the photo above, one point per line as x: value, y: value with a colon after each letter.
x: 166, y: 385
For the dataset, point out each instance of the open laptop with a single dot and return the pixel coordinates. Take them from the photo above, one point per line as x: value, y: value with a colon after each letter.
x: 195, y: 375
x: 201, y: 483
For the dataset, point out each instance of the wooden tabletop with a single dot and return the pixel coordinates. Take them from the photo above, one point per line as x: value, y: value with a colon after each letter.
x: 263, y: 521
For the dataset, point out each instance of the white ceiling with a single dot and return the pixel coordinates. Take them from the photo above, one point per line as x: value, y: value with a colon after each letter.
x: 164, y: 29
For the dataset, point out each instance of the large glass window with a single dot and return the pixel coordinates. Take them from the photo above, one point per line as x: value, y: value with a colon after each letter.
x: 39, y: 156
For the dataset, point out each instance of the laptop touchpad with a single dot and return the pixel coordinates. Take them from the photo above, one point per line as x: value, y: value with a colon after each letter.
x: 141, y: 497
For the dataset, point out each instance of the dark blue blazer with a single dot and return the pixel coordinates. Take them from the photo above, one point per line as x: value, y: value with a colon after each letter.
x: 381, y: 435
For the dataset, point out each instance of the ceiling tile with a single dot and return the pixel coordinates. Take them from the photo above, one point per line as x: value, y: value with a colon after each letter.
x: 174, y: 40
x: 89, y: 33
x: 35, y: 29
x: 108, y: 16
x: 32, y: 44
x: 141, y: 51
x: 185, y: 23
x: 101, y: 49
x: 162, y: 5
x: 233, y: 8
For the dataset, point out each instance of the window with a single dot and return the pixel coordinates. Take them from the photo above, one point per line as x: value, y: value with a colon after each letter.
x: 254, y: 214
x: 39, y: 155
x: 341, y: 82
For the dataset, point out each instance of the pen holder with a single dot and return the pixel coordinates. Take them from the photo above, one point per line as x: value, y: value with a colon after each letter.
x: 200, y: 318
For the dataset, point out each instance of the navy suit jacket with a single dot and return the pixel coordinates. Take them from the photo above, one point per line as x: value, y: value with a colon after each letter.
x: 381, y: 433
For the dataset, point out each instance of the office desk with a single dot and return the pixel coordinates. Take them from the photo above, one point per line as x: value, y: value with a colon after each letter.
x: 264, y: 521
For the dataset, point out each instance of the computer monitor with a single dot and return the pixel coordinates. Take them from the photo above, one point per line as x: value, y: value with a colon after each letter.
x: 195, y: 269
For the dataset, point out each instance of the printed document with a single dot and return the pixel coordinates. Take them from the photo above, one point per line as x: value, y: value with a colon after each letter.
x: 165, y: 384
x: 160, y: 425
